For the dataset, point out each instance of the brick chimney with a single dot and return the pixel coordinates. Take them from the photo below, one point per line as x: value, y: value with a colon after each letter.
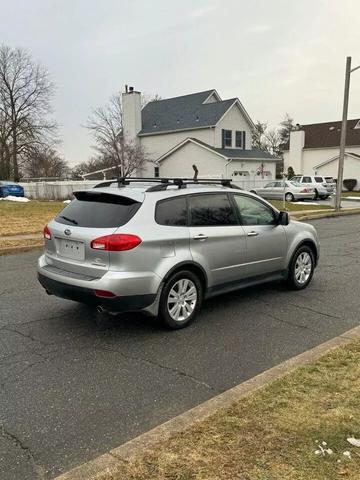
x: 131, y: 110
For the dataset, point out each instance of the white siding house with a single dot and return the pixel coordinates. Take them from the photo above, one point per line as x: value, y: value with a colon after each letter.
x: 200, y: 129
x: 314, y: 149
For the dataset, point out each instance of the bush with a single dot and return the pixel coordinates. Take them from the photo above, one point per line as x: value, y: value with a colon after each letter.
x: 290, y: 173
x: 350, y: 184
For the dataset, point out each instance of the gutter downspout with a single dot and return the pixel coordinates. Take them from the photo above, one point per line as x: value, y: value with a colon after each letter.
x: 226, y: 165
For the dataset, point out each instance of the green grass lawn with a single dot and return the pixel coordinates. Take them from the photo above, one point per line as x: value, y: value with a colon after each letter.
x: 351, y: 194
x: 296, y: 207
x: 272, y: 434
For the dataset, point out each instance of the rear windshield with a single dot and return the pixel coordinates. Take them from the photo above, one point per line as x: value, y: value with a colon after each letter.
x: 98, y: 210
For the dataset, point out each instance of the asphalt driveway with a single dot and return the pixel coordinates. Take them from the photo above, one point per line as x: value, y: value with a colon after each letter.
x: 71, y: 389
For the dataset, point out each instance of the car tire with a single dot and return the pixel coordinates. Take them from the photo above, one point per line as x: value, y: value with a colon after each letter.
x: 180, y: 300
x: 301, y: 268
x: 289, y: 197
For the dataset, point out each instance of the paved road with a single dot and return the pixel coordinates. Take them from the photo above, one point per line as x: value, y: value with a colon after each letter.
x: 71, y: 389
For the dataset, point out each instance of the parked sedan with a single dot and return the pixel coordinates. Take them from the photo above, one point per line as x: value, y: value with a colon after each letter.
x: 292, y: 190
x: 9, y: 188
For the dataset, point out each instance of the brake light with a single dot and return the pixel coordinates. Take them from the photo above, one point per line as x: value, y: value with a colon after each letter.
x: 47, y: 233
x: 104, y: 294
x: 117, y: 242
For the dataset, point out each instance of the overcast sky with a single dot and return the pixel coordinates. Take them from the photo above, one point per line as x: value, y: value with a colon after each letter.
x: 277, y: 56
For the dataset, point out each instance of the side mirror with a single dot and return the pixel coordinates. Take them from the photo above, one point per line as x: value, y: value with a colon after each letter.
x: 283, y: 218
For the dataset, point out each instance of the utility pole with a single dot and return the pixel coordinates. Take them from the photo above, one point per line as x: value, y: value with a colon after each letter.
x: 343, y: 136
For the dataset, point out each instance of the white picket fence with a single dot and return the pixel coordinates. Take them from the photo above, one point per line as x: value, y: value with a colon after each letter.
x: 62, y: 190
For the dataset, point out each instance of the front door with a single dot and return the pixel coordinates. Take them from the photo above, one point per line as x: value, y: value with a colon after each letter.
x: 217, y: 241
x: 266, y: 242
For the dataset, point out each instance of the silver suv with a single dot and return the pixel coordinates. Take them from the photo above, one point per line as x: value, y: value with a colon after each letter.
x: 323, y: 186
x: 165, y: 246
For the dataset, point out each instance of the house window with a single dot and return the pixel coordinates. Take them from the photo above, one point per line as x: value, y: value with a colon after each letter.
x: 241, y: 173
x: 226, y: 138
x: 157, y: 172
x: 240, y: 140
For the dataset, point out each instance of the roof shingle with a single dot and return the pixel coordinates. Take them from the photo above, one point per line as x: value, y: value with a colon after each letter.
x: 181, y: 113
x: 323, y: 135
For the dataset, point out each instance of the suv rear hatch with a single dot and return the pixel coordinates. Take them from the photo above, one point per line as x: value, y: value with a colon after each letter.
x: 91, y: 215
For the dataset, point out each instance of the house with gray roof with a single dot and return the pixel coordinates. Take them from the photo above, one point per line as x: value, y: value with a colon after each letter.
x: 201, y: 129
x: 314, y: 149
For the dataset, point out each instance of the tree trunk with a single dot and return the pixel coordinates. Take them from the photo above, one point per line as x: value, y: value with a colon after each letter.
x: 14, y: 158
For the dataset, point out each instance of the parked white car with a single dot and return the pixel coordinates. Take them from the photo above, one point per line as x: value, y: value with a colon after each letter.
x: 292, y: 191
x: 323, y: 186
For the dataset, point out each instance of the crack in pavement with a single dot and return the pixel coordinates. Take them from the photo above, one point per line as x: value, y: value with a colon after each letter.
x: 156, y: 364
x: 18, y: 443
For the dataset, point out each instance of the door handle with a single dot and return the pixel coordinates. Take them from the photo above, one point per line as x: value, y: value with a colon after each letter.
x: 253, y: 234
x: 200, y: 236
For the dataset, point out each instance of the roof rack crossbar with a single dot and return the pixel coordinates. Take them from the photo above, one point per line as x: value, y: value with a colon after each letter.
x: 163, y: 183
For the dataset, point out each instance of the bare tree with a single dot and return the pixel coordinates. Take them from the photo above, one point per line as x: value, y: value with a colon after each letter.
x: 25, y: 94
x: 45, y: 162
x: 106, y: 126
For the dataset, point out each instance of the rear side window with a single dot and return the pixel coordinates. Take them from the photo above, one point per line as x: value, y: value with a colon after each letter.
x: 319, y: 179
x: 171, y: 212
x: 306, y: 180
x: 98, y: 210
x: 211, y: 210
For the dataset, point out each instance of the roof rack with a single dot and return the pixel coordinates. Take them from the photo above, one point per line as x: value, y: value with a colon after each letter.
x: 164, y: 183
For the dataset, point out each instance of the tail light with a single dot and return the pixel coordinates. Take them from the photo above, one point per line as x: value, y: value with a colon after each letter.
x: 47, y: 233
x: 118, y: 242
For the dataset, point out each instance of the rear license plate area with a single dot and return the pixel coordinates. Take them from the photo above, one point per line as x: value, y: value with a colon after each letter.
x: 70, y: 249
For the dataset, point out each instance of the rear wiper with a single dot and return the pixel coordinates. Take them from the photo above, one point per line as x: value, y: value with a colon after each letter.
x: 69, y: 219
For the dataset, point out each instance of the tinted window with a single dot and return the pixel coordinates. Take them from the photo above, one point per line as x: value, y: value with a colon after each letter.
x: 171, y: 212
x: 254, y: 212
x: 211, y: 210
x: 98, y: 210
x: 319, y: 179
x: 306, y: 180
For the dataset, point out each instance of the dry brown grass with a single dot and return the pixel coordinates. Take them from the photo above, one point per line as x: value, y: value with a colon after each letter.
x: 31, y: 217
x: 15, y: 246
x: 271, y: 434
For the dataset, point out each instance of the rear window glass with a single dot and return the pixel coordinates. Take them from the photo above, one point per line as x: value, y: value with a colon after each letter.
x: 329, y: 180
x: 171, y: 212
x: 98, y: 210
x: 319, y: 179
x: 211, y: 210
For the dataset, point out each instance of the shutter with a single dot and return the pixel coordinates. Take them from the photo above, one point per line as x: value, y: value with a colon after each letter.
x: 222, y: 138
x: 243, y: 140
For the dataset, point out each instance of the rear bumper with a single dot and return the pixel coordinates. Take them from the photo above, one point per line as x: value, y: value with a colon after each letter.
x: 126, y: 303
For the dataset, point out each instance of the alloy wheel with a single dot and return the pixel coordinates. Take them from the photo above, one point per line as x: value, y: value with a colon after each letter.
x: 182, y: 299
x: 303, y: 268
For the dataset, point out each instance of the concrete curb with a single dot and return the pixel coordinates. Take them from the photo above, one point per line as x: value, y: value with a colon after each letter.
x: 109, y: 463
